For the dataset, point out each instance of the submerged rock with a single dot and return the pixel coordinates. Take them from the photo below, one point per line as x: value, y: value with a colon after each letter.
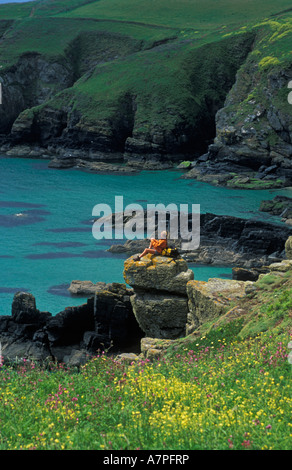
x: 92, y: 167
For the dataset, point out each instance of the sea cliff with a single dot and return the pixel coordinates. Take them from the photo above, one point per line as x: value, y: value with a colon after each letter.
x: 90, y: 95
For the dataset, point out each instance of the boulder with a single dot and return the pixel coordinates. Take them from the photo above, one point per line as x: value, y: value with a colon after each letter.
x: 160, y: 302
x: 158, y: 273
x: 284, y: 266
x: 153, y: 348
x: 128, y: 358
x: 242, y: 274
x: 208, y: 300
x: 85, y: 288
x: 24, y: 310
x: 161, y: 316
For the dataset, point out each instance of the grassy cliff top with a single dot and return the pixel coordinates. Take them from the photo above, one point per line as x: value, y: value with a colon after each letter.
x: 48, y: 26
x: 171, y: 58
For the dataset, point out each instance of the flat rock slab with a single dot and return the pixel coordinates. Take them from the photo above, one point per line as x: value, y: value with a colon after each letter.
x: 85, y: 288
x: 158, y: 273
x: 207, y: 300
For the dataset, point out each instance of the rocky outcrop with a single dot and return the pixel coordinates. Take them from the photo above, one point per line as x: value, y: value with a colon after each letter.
x: 165, y: 303
x: 160, y: 301
x: 254, y: 238
x: 208, y: 300
x: 243, y: 274
x: 253, y: 132
x: 73, y: 335
x: 279, y: 206
x: 228, y: 240
x: 114, y: 322
x: 85, y: 288
x: 158, y: 273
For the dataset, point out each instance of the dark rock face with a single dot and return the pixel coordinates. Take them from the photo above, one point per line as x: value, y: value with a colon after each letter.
x: 30, y: 82
x: 228, y: 240
x: 105, y: 320
x: 135, y: 130
x: 256, y: 134
x: 68, y: 326
x: 249, y: 236
x: 24, y: 310
x: 113, y: 316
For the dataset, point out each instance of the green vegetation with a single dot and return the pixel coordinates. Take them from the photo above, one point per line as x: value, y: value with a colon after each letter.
x: 240, y: 182
x: 155, y: 65
x: 181, y: 14
x: 226, y: 386
x: 271, y: 54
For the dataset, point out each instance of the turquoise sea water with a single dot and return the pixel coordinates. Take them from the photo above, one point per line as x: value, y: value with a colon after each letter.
x: 51, y: 242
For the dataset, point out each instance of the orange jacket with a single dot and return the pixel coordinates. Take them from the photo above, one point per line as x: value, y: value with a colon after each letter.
x: 159, y: 245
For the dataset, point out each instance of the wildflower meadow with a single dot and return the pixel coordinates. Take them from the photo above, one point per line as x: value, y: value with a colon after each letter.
x: 209, y: 393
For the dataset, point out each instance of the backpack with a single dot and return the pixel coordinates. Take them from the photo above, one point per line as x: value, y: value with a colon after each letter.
x: 170, y: 252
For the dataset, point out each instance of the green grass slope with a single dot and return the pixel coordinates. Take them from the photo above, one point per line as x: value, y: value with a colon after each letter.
x: 157, y: 72
x: 183, y: 13
x: 227, y: 387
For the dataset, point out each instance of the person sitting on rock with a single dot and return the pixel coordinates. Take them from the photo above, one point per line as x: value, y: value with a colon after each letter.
x: 156, y: 246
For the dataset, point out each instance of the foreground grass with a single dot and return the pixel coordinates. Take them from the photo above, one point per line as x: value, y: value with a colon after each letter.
x: 216, y: 393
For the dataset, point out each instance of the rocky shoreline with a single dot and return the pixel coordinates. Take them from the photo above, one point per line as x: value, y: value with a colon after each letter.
x: 237, y: 132
x: 228, y: 240
x: 164, y: 302
x: 204, y: 168
x: 87, y: 160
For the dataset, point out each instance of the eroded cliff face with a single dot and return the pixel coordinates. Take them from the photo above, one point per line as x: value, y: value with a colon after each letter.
x: 46, y: 102
x: 30, y: 82
x: 31, y: 111
x: 254, y: 128
x: 214, y: 100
